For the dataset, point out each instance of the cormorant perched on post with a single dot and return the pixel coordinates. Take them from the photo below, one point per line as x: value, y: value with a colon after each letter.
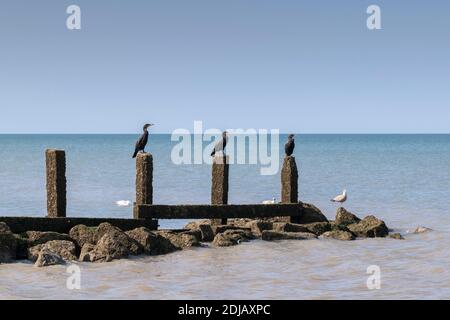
x: 220, y: 145
x: 142, y: 142
x: 290, y: 145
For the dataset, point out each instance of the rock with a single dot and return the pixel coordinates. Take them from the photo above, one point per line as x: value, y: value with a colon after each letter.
x: 180, y: 240
x: 270, y: 235
x: 258, y: 226
x: 63, y: 248
x: 33, y: 252
x: 195, y: 224
x: 339, y: 235
x: 343, y: 217
x: 4, y: 228
x: 310, y: 214
x: 114, y: 244
x: 86, y: 253
x: 318, y: 227
x: 83, y: 234
x: 207, y: 232
x: 48, y: 258
x: 21, y: 247
x: 369, y: 227
x: 232, y: 237
x: 289, y: 227
x: 240, y: 222
x: 421, y: 230
x: 221, y: 228
x: 397, y: 236
x: 38, y: 237
x: 8, y: 246
x: 152, y: 242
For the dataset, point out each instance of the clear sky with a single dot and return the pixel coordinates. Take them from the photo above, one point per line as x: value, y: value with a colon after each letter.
x: 299, y: 66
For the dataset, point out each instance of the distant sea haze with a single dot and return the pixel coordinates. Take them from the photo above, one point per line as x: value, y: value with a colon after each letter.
x: 402, y: 179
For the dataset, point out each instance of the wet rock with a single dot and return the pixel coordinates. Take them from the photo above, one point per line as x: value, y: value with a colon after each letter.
x: 39, y: 237
x: 318, y: 227
x: 86, y: 253
x: 270, y: 235
x: 83, y: 234
x: 205, y: 229
x: 221, y: 228
x: 180, y: 240
x: 21, y: 247
x: 114, y: 244
x: 421, y: 230
x: 258, y: 226
x: 65, y: 249
x: 4, y: 228
x: 8, y: 246
x: 152, y: 242
x: 289, y: 227
x: 232, y: 237
x: 48, y: 258
x: 310, y: 214
x: 339, y: 235
x: 344, y: 217
x: 397, y: 236
x: 369, y: 227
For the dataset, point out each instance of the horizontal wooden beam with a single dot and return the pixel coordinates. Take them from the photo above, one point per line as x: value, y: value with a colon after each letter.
x: 217, y: 211
x: 63, y: 225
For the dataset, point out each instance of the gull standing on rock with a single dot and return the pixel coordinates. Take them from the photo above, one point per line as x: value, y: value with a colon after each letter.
x: 340, y: 198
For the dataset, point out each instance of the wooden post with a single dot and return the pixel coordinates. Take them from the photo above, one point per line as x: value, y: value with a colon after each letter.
x: 144, y: 179
x: 219, y: 183
x: 56, y: 183
x: 289, y: 182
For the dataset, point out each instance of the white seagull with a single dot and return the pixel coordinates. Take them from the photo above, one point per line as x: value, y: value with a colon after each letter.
x: 269, y: 201
x: 340, y: 198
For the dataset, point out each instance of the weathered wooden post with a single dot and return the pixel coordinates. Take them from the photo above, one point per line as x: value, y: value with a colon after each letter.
x: 56, y: 183
x: 289, y: 182
x: 219, y: 183
x: 144, y: 179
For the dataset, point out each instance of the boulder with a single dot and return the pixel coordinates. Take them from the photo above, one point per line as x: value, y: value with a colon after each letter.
x: 39, y: 237
x: 339, y: 235
x: 397, y: 236
x: 270, y: 235
x: 48, y: 258
x: 194, y: 224
x: 318, y: 227
x: 114, y: 244
x: 152, y: 242
x: 63, y: 248
x: 289, y: 227
x: 21, y: 247
x: 369, y: 227
x: 8, y: 246
x: 258, y: 226
x: 232, y: 237
x: 206, y: 231
x: 221, y: 228
x: 4, y: 228
x: 86, y: 253
x: 240, y: 222
x: 180, y: 240
x: 344, y: 218
x: 83, y: 234
x: 310, y: 214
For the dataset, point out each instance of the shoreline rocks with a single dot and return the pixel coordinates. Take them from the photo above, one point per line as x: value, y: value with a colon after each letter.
x: 106, y: 243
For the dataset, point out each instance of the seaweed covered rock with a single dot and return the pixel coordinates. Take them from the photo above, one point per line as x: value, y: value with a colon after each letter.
x: 369, y: 227
x: 270, y: 235
x: 232, y: 237
x: 63, y: 248
x: 396, y: 236
x: 344, y: 217
x: 318, y: 227
x: 339, y: 235
x: 83, y: 234
x: 152, y: 242
x: 179, y: 240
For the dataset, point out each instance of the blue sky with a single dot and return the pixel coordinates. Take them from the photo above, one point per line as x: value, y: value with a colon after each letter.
x: 299, y: 66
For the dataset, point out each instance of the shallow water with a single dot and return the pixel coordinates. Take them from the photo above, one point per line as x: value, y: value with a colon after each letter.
x: 402, y: 179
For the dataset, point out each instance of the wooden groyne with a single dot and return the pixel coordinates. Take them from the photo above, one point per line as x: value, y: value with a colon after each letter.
x: 145, y: 213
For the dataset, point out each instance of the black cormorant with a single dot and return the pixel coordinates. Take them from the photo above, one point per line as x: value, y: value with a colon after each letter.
x: 220, y: 145
x: 290, y: 145
x: 142, y: 142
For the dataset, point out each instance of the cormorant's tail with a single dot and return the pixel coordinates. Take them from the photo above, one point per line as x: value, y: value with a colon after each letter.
x: 135, y: 154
